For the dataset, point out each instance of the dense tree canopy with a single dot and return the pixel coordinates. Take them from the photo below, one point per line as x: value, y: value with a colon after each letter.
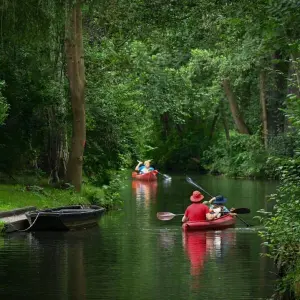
x: 88, y: 87
x: 181, y: 82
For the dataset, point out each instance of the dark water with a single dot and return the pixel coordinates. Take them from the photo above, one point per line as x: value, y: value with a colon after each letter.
x: 132, y: 255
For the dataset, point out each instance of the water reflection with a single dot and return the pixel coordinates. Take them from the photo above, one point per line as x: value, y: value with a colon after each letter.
x: 202, y: 246
x: 133, y: 255
x: 167, y: 183
x: 145, y: 191
x: 219, y: 243
x: 194, y: 244
x: 167, y: 238
x: 56, y: 258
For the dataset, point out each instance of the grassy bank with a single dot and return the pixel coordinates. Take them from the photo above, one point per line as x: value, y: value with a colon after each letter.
x: 17, y: 196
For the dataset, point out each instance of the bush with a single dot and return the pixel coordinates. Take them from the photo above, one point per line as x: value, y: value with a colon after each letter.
x: 243, y: 156
x: 112, y: 191
x: 282, y: 227
x: 282, y: 233
x: 109, y: 195
x: 94, y: 195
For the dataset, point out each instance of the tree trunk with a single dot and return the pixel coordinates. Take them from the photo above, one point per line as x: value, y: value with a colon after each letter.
x: 277, y: 95
x: 53, y: 146
x: 214, y: 122
x: 179, y: 129
x: 262, y: 89
x: 76, y: 76
x: 295, y: 70
x: 165, y: 122
x: 224, y: 121
x: 237, y: 117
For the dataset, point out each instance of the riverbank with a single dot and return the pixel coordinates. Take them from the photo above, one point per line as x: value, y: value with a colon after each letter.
x: 14, y: 196
x: 18, y: 196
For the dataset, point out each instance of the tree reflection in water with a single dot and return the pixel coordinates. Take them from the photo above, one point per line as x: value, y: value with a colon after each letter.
x: 145, y: 191
x: 167, y: 238
x: 67, y: 260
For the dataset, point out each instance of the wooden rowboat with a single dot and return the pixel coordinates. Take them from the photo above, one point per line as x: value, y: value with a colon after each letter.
x: 64, y: 218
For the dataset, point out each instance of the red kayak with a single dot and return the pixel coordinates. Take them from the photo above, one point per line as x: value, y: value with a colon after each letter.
x: 220, y: 223
x: 151, y: 176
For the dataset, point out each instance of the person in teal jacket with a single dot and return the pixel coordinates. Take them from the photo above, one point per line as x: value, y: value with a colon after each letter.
x: 144, y: 168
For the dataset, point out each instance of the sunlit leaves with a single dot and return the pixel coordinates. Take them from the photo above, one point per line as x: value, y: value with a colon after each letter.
x: 3, y: 105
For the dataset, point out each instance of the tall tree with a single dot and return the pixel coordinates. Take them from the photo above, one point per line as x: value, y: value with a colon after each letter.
x: 262, y: 88
x: 76, y: 76
x: 236, y: 114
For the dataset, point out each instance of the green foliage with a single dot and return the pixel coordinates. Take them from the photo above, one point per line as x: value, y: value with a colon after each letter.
x: 283, y: 227
x: 30, y: 67
x: 107, y: 196
x: 3, y: 105
x: 95, y: 195
x: 18, y: 196
x: 282, y: 232
x: 112, y: 191
x: 2, y: 226
x: 242, y: 156
x: 114, y: 130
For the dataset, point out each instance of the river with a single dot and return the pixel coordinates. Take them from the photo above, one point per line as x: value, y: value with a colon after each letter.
x: 133, y: 255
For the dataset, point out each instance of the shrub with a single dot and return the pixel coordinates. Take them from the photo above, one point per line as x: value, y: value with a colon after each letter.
x: 243, y: 156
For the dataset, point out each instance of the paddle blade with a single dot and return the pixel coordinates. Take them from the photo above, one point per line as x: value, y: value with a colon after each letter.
x: 188, y: 179
x: 167, y: 177
x: 165, y: 216
x: 241, y: 210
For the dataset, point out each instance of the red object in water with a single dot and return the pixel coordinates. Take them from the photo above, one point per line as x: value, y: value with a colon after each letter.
x: 220, y: 223
x: 151, y: 176
x: 195, y: 246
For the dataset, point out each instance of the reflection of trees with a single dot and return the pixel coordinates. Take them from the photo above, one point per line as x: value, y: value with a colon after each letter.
x: 167, y: 238
x: 145, y: 191
x: 64, y: 253
x: 76, y: 278
x: 49, y: 265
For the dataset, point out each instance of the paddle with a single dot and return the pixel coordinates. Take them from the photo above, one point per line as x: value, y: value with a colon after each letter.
x: 241, y: 210
x: 164, y: 175
x: 248, y: 225
x: 166, y: 216
x: 189, y: 180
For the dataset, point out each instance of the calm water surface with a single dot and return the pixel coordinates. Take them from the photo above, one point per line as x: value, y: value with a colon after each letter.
x: 132, y: 255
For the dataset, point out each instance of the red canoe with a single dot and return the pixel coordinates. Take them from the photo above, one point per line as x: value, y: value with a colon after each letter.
x: 151, y: 176
x: 220, y: 223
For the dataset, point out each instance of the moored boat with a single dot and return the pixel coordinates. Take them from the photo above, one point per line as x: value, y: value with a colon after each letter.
x: 151, y: 176
x: 225, y: 221
x: 64, y: 218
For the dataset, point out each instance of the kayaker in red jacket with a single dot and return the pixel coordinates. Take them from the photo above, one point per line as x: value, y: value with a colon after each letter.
x: 198, y: 211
